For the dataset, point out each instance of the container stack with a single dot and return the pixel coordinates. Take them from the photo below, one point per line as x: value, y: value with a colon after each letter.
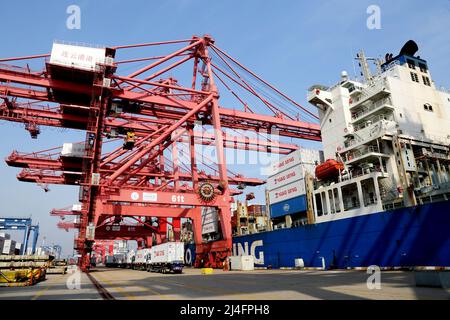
x: 286, y: 184
x: 7, y: 245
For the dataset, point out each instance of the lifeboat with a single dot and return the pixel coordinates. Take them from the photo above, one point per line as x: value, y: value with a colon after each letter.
x: 329, y: 169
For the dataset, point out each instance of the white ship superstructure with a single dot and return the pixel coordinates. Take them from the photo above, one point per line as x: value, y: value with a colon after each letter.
x: 391, y: 131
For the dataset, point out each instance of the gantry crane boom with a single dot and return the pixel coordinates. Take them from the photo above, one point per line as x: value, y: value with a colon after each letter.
x: 145, y: 181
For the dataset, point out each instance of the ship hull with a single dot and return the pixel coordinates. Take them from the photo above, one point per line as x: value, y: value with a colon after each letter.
x: 406, y: 237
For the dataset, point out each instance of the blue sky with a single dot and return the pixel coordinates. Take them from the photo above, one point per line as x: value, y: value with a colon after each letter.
x: 293, y: 44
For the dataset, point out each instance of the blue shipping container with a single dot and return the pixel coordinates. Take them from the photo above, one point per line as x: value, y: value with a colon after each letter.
x: 291, y: 206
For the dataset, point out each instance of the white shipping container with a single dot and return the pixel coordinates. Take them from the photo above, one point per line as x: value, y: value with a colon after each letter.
x: 285, y: 177
x: 209, y: 220
x: 168, y: 252
x: 243, y: 263
x: 120, y: 258
x: 301, y: 156
x: 142, y: 255
x: 76, y: 207
x: 79, y: 57
x: 75, y: 150
x: 4, y: 236
x: 130, y: 255
x: 9, y: 247
x: 287, y: 192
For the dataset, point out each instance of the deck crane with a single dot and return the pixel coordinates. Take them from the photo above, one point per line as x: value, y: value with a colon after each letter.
x: 81, y: 88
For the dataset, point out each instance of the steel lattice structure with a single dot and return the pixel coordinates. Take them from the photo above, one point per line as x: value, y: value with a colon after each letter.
x: 144, y: 180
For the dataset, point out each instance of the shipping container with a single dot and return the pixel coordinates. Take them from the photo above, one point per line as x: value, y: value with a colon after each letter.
x: 131, y: 255
x: 256, y: 209
x: 301, y: 156
x: 120, y: 260
x: 285, y: 177
x: 287, y: 192
x: 76, y: 207
x: 73, y: 150
x: 141, y: 259
x: 9, y: 247
x: 109, y: 261
x: 167, y: 257
x: 4, y: 236
x: 209, y: 220
x: 288, y: 207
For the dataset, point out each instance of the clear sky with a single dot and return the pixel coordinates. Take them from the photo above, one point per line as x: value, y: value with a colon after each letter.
x: 293, y: 44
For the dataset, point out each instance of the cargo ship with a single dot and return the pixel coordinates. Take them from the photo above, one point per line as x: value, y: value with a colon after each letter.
x: 378, y: 193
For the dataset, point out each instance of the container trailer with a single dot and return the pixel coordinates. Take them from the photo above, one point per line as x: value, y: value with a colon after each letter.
x: 131, y: 255
x: 141, y: 259
x: 164, y: 258
x: 120, y: 260
x: 109, y: 261
x: 167, y: 257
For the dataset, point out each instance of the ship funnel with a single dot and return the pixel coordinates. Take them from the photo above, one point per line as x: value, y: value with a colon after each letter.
x: 410, y: 48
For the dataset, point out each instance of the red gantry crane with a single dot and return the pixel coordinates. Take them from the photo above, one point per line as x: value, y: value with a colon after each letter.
x: 134, y: 179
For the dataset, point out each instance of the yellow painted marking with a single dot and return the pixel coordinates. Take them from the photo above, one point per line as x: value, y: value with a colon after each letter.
x: 154, y: 292
x: 41, y: 292
x: 120, y: 289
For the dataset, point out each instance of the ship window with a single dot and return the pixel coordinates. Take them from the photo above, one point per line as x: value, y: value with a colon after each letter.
x: 319, y: 205
x: 426, y: 81
x: 336, y: 200
x: 350, y: 197
x: 332, y: 203
x: 414, y: 77
x: 428, y: 107
x: 368, y: 190
x: 411, y: 64
x: 423, y: 67
x: 323, y: 197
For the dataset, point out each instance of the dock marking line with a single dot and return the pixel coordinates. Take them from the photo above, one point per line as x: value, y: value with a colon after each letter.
x: 47, y: 287
x: 122, y: 290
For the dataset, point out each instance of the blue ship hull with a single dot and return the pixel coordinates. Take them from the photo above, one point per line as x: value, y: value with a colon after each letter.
x: 406, y: 237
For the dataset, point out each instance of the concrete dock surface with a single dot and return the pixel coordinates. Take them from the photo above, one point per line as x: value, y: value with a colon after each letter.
x: 237, y: 285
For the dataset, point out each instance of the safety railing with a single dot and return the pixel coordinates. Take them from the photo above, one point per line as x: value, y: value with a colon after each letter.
x: 376, y: 105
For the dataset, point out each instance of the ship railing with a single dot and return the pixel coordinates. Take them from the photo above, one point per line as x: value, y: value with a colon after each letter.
x: 356, y: 174
x: 393, y: 205
x: 440, y: 139
x: 79, y: 44
x: 368, y: 131
x: 375, y: 121
x: 370, y: 91
x: 386, y: 101
x: 362, y: 152
x: 391, y: 65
